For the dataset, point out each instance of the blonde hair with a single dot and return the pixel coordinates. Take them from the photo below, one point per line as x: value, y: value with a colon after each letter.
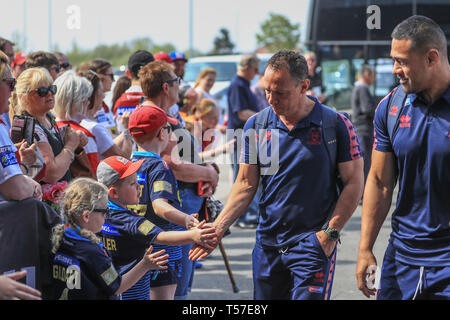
x: 4, y: 64
x: 72, y: 91
x: 203, y: 74
x: 82, y: 194
x: 28, y: 81
x: 204, y: 107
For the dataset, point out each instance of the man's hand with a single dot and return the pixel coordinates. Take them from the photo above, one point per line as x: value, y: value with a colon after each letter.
x: 327, y: 245
x: 365, y: 259
x: 198, y: 251
x: 205, y: 235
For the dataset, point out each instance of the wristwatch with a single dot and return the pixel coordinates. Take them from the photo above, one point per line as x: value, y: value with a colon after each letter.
x: 333, y: 234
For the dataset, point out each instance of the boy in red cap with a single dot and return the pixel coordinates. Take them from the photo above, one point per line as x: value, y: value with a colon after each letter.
x: 159, y: 201
x: 126, y: 235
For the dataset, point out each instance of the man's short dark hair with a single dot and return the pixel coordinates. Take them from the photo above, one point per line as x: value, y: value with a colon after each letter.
x: 4, y: 42
x: 424, y: 33
x: 41, y: 59
x: 137, y: 60
x: 291, y: 60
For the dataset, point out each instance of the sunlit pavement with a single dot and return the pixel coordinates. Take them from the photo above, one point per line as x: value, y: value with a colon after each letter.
x: 212, y: 282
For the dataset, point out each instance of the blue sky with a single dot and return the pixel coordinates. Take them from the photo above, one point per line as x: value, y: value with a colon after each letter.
x: 102, y: 21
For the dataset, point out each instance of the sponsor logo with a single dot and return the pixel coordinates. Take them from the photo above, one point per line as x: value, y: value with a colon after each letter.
x: 405, y: 121
x: 319, y: 277
x: 7, y: 159
x: 267, y: 135
x: 393, y: 111
x: 110, y: 230
x: 314, y: 289
x: 141, y: 178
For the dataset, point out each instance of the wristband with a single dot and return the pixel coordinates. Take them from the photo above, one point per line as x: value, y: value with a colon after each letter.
x: 126, y: 133
x: 25, y: 166
x: 72, y: 155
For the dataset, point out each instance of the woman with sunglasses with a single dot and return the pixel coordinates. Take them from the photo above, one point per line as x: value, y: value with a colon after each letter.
x: 14, y: 185
x: 82, y: 267
x: 34, y: 97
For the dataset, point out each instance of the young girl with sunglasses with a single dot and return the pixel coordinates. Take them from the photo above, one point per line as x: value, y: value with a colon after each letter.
x: 82, y: 268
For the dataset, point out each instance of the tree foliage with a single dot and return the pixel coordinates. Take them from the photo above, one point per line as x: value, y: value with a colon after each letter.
x: 277, y: 33
x: 222, y: 43
x: 117, y: 54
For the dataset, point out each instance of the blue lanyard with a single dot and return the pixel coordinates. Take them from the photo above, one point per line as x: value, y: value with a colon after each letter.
x: 113, y: 206
x: 151, y: 154
x: 146, y: 154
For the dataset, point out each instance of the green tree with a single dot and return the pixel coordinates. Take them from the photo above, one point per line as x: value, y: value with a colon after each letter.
x: 277, y: 33
x: 222, y: 43
x: 117, y: 54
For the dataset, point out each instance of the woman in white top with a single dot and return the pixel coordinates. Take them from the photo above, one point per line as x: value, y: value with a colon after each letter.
x: 107, y: 146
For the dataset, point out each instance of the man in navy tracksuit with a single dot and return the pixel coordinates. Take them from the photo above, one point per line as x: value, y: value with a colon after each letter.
x: 301, y: 213
x: 417, y: 260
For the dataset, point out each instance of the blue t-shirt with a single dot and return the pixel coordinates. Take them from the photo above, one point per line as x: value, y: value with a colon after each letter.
x: 421, y: 144
x: 240, y: 97
x: 127, y: 237
x: 298, y: 192
x: 82, y: 270
x: 157, y: 182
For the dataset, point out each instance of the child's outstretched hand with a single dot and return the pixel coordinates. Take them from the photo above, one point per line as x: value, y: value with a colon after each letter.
x: 205, y: 235
x: 191, y: 221
x: 156, y: 261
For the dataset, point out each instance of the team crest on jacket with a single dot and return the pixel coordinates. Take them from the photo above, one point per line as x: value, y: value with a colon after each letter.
x: 314, y: 136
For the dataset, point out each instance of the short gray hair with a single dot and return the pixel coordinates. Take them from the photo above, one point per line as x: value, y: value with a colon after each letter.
x: 248, y: 60
x: 424, y: 33
x: 365, y: 69
x: 72, y: 91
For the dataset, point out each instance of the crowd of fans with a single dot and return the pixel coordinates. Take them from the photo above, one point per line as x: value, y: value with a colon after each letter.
x: 56, y: 128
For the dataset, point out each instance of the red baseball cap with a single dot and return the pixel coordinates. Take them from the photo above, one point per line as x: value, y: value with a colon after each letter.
x: 19, y: 59
x: 146, y: 119
x: 163, y: 56
x: 114, y: 168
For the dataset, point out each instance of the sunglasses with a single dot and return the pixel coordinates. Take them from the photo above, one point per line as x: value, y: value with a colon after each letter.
x: 11, y: 83
x: 106, y: 212
x: 109, y: 75
x: 42, y: 92
x: 56, y: 68
x: 177, y: 80
x: 168, y: 128
x: 64, y: 65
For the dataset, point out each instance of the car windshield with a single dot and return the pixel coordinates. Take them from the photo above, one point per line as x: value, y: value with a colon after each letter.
x: 225, y: 70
